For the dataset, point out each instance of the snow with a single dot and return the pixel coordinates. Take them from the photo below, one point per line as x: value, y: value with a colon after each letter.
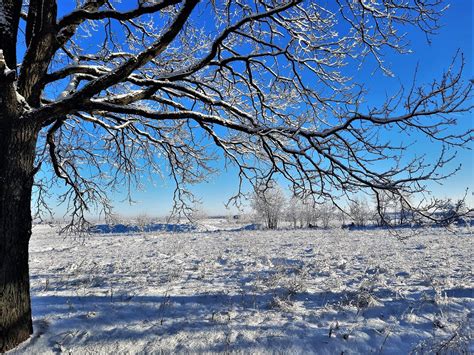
x: 153, y: 227
x: 295, y: 291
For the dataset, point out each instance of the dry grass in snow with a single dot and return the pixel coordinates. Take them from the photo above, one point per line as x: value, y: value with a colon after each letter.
x: 302, y: 291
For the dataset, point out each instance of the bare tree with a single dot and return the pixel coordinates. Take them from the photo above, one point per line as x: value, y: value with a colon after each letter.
x: 309, y: 214
x: 293, y: 211
x: 405, y: 214
x: 198, y: 213
x: 302, y: 211
x: 359, y: 211
x: 259, y: 81
x: 385, y: 204
x: 142, y: 221
x: 451, y: 211
x: 326, y: 214
x: 268, y: 201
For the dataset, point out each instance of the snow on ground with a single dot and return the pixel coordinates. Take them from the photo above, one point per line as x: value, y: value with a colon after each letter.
x: 302, y: 291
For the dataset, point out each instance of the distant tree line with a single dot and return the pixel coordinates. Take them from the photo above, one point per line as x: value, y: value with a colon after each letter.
x: 273, y: 209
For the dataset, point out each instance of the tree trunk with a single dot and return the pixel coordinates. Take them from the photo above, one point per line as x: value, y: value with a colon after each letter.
x: 17, y: 153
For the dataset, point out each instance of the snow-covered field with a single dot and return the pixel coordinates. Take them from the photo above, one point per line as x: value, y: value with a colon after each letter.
x: 303, y: 291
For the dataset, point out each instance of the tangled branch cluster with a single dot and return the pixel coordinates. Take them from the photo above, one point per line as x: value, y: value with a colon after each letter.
x: 173, y: 84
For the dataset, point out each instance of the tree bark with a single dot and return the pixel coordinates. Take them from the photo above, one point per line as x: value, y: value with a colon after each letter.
x: 18, y: 136
x: 9, y: 30
x: 17, y: 153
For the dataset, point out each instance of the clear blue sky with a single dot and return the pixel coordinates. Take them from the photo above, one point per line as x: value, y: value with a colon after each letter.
x: 455, y: 34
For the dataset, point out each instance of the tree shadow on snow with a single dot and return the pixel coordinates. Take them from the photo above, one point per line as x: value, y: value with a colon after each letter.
x: 124, y: 318
x: 93, y: 320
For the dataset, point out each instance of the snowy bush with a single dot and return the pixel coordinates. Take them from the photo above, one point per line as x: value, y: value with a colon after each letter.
x: 451, y: 211
x: 268, y: 201
x: 326, y: 214
x: 359, y: 211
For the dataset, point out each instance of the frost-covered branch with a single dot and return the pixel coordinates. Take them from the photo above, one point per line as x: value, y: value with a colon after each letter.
x: 263, y: 84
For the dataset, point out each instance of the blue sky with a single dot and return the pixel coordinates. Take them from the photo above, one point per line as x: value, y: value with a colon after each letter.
x: 432, y: 59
